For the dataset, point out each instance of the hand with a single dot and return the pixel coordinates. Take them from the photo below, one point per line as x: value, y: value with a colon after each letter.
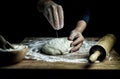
x: 54, y: 14
x: 77, y: 39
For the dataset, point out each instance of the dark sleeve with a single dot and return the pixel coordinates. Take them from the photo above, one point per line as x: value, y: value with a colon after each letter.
x: 86, y: 15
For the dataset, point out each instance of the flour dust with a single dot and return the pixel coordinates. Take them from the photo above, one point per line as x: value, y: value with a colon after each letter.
x: 79, y: 56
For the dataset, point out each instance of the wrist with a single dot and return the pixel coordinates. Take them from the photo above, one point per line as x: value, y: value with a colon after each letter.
x: 81, y: 25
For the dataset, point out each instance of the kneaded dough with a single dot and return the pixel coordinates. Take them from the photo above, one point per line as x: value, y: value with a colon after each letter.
x: 57, y: 46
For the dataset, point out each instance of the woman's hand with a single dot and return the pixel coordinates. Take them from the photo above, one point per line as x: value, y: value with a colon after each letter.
x: 77, y: 39
x: 54, y: 14
x: 76, y: 35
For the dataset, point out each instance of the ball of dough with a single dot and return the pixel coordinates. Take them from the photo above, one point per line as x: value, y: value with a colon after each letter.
x: 57, y: 46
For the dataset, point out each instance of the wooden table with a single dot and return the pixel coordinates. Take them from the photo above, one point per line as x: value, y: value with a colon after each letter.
x: 107, y: 64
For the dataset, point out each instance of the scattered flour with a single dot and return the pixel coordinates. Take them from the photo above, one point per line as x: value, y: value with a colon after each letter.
x: 16, y: 47
x: 77, y: 57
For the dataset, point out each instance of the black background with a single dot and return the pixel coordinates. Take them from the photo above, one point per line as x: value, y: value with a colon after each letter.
x: 20, y: 19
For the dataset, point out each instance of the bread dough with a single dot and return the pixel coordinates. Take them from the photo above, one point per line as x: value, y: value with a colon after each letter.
x: 57, y: 46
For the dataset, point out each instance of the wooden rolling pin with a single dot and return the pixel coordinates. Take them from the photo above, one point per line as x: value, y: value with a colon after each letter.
x: 102, y: 48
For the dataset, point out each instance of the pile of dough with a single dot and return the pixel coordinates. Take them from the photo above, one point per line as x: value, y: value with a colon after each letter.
x: 57, y: 46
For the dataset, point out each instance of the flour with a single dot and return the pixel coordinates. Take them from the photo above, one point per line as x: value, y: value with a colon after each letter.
x: 16, y: 47
x: 79, y: 56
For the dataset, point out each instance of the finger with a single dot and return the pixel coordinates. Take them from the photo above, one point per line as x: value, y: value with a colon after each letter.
x: 77, y: 41
x: 72, y: 36
x: 61, y: 16
x: 76, y: 47
x: 55, y: 18
x: 48, y: 15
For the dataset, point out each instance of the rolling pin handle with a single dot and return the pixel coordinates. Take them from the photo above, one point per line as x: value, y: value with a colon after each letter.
x: 96, y: 53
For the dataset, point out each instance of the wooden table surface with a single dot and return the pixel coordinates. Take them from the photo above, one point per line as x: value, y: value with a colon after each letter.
x: 107, y: 64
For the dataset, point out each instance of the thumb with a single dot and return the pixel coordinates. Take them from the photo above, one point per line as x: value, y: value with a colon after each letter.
x: 72, y: 36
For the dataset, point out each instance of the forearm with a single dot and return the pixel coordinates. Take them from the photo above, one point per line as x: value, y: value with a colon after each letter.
x: 81, y: 25
x: 86, y: 15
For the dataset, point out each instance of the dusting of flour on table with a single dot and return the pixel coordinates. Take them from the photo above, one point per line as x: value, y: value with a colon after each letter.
x: 16, y: 47
x: 80, y: 56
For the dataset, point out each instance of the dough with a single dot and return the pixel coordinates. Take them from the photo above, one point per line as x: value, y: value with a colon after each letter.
x: 57, y: 46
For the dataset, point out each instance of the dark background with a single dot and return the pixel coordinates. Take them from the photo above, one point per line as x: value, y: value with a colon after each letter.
x: 20, y: 19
